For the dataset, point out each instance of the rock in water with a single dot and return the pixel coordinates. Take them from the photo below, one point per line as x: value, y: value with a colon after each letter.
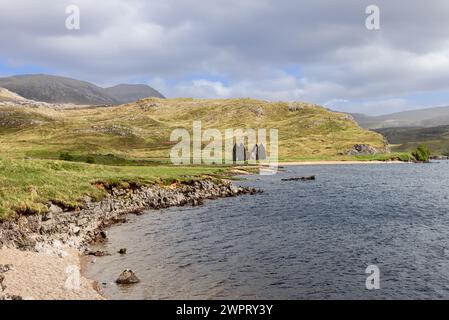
x: 122, y: 251
x: 127, y: 277
x: 301, y: 179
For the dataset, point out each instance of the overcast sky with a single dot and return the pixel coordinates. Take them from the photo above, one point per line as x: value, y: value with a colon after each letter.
x: 316, y: 50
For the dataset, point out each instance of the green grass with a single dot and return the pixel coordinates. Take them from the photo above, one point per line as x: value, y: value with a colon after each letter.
x: 26, y: 186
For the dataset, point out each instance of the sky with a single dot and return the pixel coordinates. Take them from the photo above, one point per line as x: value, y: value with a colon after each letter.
x: 318, y: 51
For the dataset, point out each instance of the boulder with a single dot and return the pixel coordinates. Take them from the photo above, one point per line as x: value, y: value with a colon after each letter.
x: 127, y: 277
x: 5, y: 267
x: 54, y: 209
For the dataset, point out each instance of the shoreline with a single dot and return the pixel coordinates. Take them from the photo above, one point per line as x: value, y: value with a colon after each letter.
x: 339, y: 162
x: 43, y: 249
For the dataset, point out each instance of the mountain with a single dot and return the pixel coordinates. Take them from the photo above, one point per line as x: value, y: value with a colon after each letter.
x: 431, y: 117
x: 408, y: 129
x: 55, y: 89
x: 408, y: 138
x: 141, y: 130
x: 124, y: 93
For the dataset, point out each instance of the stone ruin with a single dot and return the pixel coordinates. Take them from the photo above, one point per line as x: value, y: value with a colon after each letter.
x: 240, y: 153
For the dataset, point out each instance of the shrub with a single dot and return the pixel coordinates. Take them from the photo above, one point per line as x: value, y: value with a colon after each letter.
x: 65, y: 156
x: 90, y: 159
x: 422, y: 153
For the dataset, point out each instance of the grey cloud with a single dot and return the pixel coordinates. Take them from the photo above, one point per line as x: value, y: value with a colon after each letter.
x: 249, y: 43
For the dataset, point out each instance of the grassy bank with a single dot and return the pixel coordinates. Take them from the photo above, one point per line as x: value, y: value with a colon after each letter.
x: 26, y: 186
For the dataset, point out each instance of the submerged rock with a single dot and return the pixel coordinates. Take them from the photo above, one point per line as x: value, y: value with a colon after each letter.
x: 127, y: 277
x: 301, y: 179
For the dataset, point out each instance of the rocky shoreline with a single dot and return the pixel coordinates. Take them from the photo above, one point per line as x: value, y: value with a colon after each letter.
x: 58, y: 229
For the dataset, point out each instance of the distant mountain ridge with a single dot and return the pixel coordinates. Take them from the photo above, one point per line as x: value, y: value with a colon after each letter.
x: 56, y: 89
x: 408, y: 138
x: 408, y: 129
x: 125, y: 93
x: 431, y: 117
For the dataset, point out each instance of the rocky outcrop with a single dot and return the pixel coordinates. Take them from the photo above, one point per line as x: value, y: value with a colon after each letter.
x: 366, y: 149
x: 80, y: 227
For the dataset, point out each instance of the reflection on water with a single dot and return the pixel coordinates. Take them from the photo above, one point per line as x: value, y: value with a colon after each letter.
x: 297, y: 240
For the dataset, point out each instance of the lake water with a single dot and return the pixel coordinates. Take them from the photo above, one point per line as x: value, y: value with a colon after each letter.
x: 297, y: 240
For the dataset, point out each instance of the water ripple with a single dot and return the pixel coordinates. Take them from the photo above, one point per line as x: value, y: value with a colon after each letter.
x: 297, y: 240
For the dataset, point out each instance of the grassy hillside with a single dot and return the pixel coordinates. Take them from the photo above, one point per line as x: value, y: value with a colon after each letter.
x: 131, y: 144
x: 141, y: 131
x: 407, y: 139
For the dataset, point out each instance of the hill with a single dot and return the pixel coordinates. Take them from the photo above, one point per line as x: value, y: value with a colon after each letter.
x: 431, y: 117
x: 55, y: 89
x: 408, y: 138
x: 141, y: 130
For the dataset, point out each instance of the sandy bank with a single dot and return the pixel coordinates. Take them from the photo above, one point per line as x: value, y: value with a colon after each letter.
x: 45, y: 276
